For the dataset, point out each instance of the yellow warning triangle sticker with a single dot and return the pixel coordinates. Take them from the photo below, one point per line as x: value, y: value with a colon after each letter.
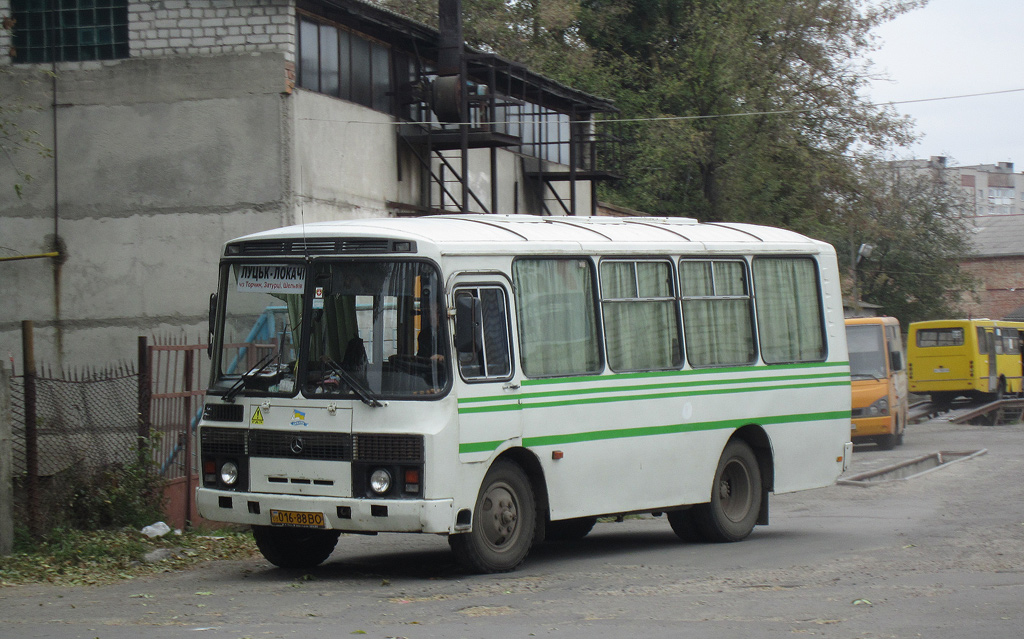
x: 257, y: 416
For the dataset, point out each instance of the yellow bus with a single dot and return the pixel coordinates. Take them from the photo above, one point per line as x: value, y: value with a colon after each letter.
x: 975, y: 358
x: 879, y: 381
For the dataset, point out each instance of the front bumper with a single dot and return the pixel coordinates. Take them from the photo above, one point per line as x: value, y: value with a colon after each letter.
x: 344, y: 514
x: 872, y: 426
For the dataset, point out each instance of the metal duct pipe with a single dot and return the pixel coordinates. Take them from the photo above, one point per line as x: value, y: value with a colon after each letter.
x: 449, y: 23
x: 447, y: 90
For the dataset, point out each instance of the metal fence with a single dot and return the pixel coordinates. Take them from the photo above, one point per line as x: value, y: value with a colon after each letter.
x: 85, y: 421
x: 68, y: 426
x: 176, y: 372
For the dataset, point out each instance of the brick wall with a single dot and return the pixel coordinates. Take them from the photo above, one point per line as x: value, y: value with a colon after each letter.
x: 1001, y: 286
x: 211, y: 27
x: 164, y: 28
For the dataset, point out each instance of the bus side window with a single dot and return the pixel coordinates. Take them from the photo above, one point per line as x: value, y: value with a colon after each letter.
x: 789, y: 310
x: 481, y: 333
x: 895, y: 348
x: 717, y: 313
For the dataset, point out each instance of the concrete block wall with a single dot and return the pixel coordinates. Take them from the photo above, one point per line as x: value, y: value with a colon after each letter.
x: 164, y: 28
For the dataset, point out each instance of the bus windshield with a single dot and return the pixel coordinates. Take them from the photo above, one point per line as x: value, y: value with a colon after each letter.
x: 867, y: 351
x: 375, y: 331
x: 377, y: 325
x: 262, y: 320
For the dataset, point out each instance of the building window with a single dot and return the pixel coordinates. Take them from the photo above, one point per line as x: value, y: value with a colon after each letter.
x: 1001, y: 200
x: 344, y: 64
x: 545, y: 133
x: 69, y: 30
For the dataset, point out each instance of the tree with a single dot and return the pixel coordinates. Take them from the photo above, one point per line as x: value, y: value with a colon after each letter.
x: 770, y: 93
x: 914, y: 217
x: 732, y: 110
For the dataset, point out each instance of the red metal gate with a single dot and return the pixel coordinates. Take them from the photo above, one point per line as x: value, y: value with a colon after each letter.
x: 177, y: 373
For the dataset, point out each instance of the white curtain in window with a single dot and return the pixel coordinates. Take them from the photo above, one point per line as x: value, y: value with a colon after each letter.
x: 789, y: 317
x: 719, y: 329
x: 557, y: 323
x: 718, y: 332
x: 641, y: 333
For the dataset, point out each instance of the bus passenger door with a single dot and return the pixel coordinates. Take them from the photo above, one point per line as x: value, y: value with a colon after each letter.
x: 488, y: 389
x: 989, y: 349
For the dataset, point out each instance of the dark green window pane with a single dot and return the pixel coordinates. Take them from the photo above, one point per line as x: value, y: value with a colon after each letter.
x: 69, y: 30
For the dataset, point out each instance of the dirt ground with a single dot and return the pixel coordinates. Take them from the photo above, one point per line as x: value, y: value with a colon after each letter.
x: 938, y: 555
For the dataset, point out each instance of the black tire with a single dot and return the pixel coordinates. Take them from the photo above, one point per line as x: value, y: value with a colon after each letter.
x: 295, y: 547
x: 886, y: 442
x: 569, y: 529
x: 735, y: 497
x: 504, y: 522
x: 683, y: 526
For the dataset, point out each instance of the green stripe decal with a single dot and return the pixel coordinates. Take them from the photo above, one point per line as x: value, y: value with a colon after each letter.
x: 629, y: 398
x: 646, y: 431
x: 843, y: 375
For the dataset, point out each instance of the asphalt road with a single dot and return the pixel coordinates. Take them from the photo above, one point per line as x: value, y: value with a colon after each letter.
x: 940, y: 555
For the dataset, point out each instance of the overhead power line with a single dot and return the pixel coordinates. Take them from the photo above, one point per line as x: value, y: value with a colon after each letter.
x: 671, y: 118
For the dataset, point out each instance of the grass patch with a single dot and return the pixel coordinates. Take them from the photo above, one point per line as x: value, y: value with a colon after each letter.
x: 75, y: 557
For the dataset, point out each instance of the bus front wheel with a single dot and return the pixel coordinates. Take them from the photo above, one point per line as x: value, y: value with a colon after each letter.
x: 735, y: 497
x: 295, y: 547
x: 504, y: 522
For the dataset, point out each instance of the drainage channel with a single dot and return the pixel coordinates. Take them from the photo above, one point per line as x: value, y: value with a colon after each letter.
x: 911, y: 468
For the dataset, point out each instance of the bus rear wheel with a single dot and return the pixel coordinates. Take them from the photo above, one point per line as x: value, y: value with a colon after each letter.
x: 735, y: 497
x: 295, y: 547
x: 504, y: 522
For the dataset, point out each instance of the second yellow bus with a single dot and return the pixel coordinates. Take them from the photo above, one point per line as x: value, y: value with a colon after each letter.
x: 975, y: 358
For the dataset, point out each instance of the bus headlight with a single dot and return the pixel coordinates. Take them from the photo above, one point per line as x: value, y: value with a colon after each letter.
x: 380, y: 481
x: 229, y: 473
x: 879, y: 408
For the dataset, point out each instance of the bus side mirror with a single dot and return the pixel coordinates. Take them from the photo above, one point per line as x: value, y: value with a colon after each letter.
x: 896, y: 361
x: 467, y: 312
x: 212, y: 320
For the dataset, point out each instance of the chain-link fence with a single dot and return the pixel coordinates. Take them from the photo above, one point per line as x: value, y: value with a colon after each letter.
x: 84, y: 445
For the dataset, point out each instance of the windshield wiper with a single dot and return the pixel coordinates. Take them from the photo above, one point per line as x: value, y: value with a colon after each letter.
x: 365, y: 394
x: 865, y: 376
x: 229, y: 395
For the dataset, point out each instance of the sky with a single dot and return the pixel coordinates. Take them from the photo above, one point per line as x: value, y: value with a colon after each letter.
x: 952, y: 48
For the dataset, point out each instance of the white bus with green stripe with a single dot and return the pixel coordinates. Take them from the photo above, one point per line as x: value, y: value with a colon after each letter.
x: 506, y: 380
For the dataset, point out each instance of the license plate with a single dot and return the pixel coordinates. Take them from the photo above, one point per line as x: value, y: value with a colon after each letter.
x: 298, y: 519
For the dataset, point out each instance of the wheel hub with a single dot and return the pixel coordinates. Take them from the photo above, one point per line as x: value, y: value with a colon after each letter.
x: 501, y: 517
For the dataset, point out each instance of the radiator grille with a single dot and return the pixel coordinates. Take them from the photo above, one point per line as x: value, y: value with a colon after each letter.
x: 223, y: 412
x: 395, y: 448
x: 301, y: 445
x: 312, y: 445
x: 222, y: 441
